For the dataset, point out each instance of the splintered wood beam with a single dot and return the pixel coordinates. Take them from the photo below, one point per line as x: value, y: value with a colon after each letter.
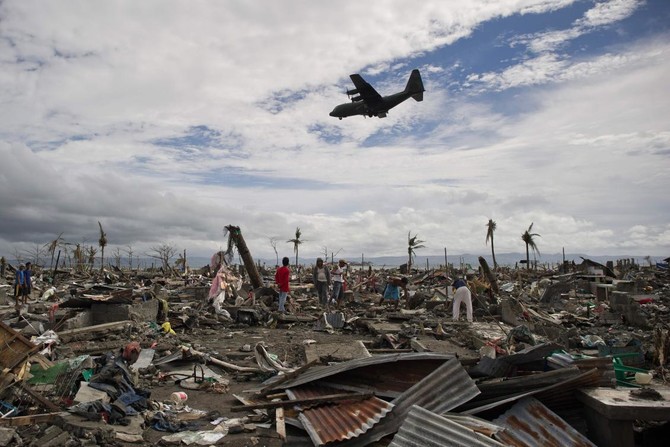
x: 281, y: 423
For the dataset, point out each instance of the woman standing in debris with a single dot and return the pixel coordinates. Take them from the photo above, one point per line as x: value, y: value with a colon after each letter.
x: 462, y: 294
x: 282, y: 278
x: 392, y: 290
x: 28, y: 282
x: 321, y: 277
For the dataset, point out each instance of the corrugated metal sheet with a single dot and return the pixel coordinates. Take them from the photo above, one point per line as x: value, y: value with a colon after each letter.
x: 529, y: 424
x: 444, y: 389
x: 340, y: 421
x: 427, y: 429
x: 556, y: 394
x: 380, y: 364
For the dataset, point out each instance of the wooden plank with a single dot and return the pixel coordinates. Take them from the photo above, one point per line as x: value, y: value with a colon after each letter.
x: 281, y: 423
x: 309, y: 400
x: 30, y: 420
x: 97, y: 328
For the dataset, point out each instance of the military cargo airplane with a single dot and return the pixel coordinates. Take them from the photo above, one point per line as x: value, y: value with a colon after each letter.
x: 368, y: 102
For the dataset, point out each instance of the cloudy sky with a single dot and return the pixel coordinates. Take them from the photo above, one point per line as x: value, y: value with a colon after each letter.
x: 167, y: 120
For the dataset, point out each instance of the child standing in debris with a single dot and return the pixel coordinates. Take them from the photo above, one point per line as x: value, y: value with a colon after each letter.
x: 19, y: 283
x: 282, y: 278
x: 462, y: 294
x: 321, y: 277
x: 392, y: 290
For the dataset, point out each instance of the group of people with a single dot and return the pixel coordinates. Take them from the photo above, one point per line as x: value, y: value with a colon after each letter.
x: 323, y: 277
x: 23, y: 283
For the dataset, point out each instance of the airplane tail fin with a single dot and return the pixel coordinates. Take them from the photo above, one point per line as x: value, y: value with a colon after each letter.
x: 415, y: 86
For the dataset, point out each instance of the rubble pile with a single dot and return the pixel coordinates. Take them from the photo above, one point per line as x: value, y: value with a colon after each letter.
x: 574, y: 356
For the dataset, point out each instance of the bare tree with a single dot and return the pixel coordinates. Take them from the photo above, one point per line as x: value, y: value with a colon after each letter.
x: 490, y: 229
x: 273, y: 242
x: 52, y: 246
x: 129, y: 252
x: 117, y: 257
x: 35, y: 254
x: 164, y: 253
x: 102, y: 242
x: 78, y: 255
x: 91, y: 251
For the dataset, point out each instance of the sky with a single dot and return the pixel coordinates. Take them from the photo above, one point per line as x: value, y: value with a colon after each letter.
x: 167, y: 120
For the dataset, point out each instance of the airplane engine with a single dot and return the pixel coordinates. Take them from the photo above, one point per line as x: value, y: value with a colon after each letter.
x: 356, y: 98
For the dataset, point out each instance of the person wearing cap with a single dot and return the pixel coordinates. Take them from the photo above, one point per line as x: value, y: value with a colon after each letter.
x: 337, y: 275
x: 19, y: 283
x: 462, y: 294
x: 321, y: 277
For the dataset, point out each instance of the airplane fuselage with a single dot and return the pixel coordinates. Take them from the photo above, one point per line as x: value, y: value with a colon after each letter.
x: 361, y: 108
x: 368, y: 102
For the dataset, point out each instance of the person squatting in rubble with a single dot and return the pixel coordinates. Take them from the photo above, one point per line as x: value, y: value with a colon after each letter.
x: 321, y: 277
x: 392, y: 290
x: 282, y: 277
x: 462, y: 294
x: 338, y: 275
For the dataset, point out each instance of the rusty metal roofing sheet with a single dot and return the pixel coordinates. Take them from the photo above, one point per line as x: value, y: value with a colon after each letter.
x: 398, y: 363
x: 555, y: 393
x: 427, y: 429
x: 529, y: 423
x: 444, y: 389
x: 337, y: 422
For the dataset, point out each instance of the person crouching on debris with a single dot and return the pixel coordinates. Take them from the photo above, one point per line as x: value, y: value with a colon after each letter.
x: 462, y: 294
x: 282, y: 278
x: 392, y: 290
x: 321, y: 277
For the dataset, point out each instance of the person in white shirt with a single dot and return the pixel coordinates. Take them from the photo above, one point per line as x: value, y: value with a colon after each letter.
x: 462, y: 294
x: 337, y: 275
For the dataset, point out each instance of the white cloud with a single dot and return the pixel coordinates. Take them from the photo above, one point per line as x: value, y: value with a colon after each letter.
x: 88, y: 88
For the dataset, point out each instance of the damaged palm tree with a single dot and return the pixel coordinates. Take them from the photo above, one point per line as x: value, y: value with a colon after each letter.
x: 235, y: 240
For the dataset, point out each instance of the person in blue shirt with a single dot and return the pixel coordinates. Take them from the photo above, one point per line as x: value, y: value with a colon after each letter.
x: 27, y: 282
x: 19, y: 283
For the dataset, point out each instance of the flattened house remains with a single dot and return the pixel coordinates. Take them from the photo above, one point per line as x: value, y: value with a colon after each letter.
x: 575, y: 356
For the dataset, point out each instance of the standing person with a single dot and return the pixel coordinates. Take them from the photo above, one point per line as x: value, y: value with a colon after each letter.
x: 462, y: 294
x: 282, y: 278
x: 392, y: 290
x: 28, y: 282
x: 321, y: 277
x: 338, y: 281
x: 19, y: 283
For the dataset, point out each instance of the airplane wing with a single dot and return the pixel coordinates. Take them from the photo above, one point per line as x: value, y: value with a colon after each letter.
x: 367, y: 92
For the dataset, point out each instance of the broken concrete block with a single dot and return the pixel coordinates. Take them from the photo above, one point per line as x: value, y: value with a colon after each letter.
x: 140, y: 311
x: 7, y: 436
x: 619, y: 299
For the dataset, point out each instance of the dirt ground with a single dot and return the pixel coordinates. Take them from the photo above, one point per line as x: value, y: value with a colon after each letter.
x: 286, y: 343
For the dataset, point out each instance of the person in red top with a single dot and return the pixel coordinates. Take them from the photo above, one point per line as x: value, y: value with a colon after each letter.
x: 282, y: 279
